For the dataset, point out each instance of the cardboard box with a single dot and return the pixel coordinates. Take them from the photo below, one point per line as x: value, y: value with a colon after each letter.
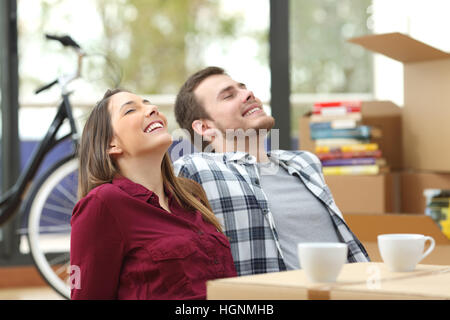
x: 357, y: 281
x: 426, y: 112
x: 367, y: 227
x: 382, y: 115
x: 413, y: 185
x: 366, y: 194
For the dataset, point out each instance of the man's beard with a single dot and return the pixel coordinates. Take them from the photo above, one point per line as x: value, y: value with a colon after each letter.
x: 248, y: 138
x: 265, y: 124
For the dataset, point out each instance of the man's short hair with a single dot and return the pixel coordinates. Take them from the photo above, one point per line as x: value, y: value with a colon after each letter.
x: 187, y: 107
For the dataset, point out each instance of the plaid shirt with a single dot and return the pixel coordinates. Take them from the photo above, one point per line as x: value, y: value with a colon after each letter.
x: 231, y: 182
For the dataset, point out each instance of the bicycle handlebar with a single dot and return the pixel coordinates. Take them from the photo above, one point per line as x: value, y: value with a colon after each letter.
x: 66, y: 40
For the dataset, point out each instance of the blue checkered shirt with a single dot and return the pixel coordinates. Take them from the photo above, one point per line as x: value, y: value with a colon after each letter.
x: 231, y: 182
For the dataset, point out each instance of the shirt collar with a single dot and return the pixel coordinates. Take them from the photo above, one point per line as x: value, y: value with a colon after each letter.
x: 280, y: 155
x: 239, y: 157
x: 244, y: 157
x: 137, y: 190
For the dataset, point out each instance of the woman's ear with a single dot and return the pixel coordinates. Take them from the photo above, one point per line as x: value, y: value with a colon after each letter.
x: 114, y: 148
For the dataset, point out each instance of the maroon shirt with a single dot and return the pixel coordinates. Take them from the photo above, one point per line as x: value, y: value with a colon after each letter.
x: 128, y: 247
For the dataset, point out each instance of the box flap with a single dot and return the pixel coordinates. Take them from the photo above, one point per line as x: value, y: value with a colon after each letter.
x: 400, y: 47
x: 380, y: 108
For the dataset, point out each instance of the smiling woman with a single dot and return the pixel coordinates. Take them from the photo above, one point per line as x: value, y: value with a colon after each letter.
x: 131, y: 118
x: 138, y: 231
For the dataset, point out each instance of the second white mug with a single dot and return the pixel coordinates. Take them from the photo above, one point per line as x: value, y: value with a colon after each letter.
x: 401, y: 252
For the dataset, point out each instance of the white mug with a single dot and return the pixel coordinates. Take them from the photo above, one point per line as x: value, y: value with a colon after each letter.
x: 401, y: 252
x: 322, y: 261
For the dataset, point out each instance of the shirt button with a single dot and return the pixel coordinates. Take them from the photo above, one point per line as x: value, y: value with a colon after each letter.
x: 216, y: 261
x: 200, y: 232
x: 257, y: 182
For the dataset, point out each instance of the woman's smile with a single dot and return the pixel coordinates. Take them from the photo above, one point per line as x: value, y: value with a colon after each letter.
x: 153, y: 126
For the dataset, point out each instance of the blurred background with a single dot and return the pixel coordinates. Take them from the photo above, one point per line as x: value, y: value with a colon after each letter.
x: 151, y: 46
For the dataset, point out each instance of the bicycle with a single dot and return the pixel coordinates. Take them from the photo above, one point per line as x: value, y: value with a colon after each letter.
x: 51, y: 198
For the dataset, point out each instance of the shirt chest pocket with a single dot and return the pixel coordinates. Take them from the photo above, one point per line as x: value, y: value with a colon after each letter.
x: 171, y: 249
x: 170, y: 257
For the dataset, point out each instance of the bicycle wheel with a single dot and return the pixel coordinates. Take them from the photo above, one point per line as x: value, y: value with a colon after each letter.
x: 50, y: 204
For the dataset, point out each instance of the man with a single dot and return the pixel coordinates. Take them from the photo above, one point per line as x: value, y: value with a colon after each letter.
x: 268, y: 202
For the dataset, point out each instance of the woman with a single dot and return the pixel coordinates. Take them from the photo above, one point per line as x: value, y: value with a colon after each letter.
x: 139, y: 232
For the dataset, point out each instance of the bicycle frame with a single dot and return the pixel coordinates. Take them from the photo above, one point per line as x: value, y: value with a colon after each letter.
x: 13, y: 197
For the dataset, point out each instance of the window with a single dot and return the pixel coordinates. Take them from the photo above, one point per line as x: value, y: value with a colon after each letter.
x: 324, y: 66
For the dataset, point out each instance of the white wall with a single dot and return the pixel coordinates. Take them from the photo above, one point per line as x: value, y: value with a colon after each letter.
x: 425, y: 20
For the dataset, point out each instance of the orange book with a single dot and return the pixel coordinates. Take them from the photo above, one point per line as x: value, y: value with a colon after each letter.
x: 348, y: 148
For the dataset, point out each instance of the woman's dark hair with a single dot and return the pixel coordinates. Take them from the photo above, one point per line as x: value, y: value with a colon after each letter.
x: 96, y: 165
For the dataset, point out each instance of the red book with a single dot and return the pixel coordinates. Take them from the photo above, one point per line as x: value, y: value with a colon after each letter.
x: 355, y: 103
x: 348, y: 155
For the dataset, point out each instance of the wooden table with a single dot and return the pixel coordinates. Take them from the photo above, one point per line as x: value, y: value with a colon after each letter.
x: 368, y: 281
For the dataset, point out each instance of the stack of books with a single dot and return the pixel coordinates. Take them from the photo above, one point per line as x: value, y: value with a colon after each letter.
x: 438, y: 207
x: 343, y: 144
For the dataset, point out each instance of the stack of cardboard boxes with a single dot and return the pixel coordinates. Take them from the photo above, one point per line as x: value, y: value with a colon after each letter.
x: 414, y: 139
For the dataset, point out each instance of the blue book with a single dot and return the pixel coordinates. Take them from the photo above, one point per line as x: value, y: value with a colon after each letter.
x: 320, y: 126
x: 349, y: 162
x: 360, y: 132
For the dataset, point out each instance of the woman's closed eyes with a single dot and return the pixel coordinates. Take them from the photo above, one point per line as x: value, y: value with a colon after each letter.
x: 144, y: 101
